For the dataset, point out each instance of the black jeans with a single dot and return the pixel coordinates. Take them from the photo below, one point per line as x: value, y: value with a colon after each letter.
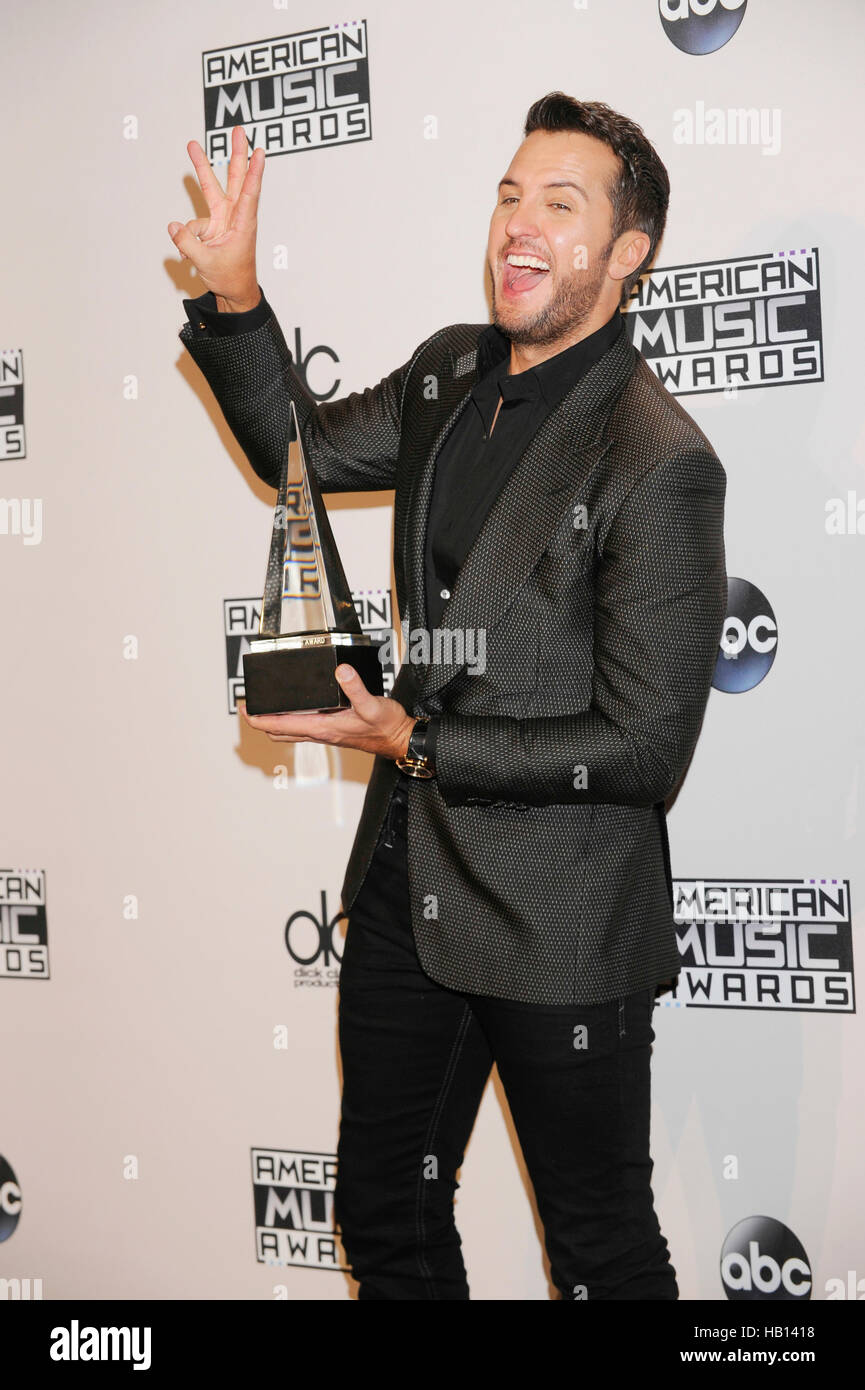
x: 416, y: 1057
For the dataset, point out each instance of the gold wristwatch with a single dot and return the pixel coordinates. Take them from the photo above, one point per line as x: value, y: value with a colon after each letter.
x: 417, y: 762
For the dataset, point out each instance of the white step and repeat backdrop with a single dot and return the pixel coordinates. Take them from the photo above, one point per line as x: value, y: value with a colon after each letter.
x: 169, y: 917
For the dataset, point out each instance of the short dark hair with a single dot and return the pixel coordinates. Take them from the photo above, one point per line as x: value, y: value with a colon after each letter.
x: 641, y: 193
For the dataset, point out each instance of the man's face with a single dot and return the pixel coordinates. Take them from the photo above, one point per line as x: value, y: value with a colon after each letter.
x: 553, y: 206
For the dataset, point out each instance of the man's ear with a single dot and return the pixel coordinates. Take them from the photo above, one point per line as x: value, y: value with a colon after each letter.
x: 628, y: 254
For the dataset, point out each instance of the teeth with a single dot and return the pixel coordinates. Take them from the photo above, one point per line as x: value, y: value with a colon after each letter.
x: 533, y: 262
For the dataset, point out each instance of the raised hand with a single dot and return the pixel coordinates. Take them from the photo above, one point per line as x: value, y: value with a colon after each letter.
x: 222, y: 246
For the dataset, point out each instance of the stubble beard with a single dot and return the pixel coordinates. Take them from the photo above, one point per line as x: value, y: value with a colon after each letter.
x: 566, y: 312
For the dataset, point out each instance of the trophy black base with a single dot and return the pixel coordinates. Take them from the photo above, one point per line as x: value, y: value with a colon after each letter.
x: 295, y: 674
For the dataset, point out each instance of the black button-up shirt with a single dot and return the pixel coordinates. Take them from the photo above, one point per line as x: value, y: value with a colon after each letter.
x: 476, y: 459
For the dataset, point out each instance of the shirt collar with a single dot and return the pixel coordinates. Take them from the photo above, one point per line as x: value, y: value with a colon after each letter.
x: 549, y: 380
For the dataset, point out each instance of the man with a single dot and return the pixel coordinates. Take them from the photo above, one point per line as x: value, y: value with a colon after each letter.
x: 509, y: 889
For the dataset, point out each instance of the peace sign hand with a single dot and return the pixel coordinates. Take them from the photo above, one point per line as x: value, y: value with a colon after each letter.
x: 222, y: 246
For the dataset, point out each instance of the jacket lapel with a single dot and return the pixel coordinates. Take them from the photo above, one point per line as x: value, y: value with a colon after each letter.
x: 454, y: 396
x: 549, y: 479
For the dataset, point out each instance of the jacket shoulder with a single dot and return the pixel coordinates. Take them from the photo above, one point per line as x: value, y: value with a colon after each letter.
x: 649, y: 427
x: 660, y: 415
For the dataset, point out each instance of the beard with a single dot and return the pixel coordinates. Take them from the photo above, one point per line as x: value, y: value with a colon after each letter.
x: 567, y: 311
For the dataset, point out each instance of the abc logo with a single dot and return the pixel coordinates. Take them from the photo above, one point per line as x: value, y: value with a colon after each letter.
x: 10, y: 1200
x: 749, y: 639
x: 762, y: 1258
x: 701, y: 26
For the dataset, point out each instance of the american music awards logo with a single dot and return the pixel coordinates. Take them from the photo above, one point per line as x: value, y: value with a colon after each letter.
x: 297, y: 92
x: 783, y: 944
x: 241, y: 617
x: 293, y: 1201
x: 731, y: 325
x: 23, y: 925
x: 12, y: 442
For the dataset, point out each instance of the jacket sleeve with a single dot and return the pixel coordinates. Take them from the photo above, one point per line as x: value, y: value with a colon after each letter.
x: 660, y: 604
x: 351, y: 444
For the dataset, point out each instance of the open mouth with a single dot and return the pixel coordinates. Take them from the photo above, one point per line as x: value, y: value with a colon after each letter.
x: 521, y: 273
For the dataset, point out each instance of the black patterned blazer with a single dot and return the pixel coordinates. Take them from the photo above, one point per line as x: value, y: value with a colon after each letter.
x: 538, y: 859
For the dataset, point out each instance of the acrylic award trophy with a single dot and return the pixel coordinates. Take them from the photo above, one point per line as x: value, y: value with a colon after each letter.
x: 308, y: 625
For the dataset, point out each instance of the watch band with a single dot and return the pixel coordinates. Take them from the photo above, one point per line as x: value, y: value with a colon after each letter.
x: 417, y: 762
